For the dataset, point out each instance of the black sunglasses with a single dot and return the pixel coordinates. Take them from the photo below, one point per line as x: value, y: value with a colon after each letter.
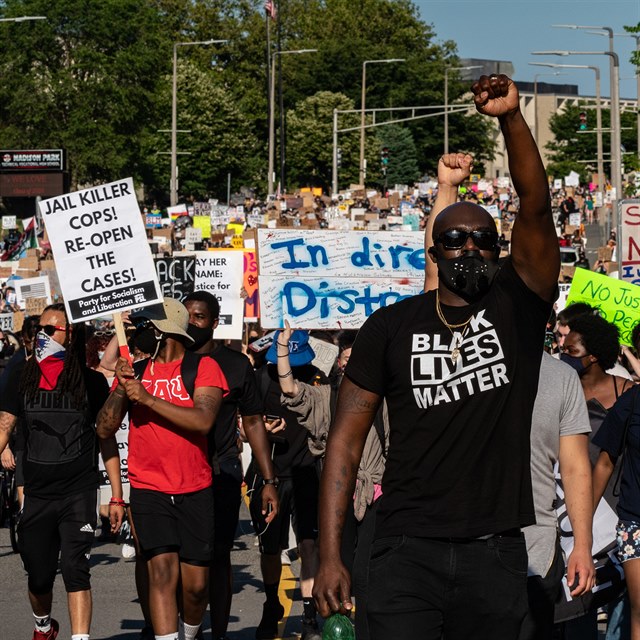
x: 49, y: 329
x: 484, y: 239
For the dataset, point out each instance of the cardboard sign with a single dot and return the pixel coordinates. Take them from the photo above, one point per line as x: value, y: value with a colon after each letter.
x: 30, y: 288
x: 35, y: 306
x: 176, y: 276
x: 221, y: 273
x: 101, y: 251
x: 329, y: 280
x: 629, y: 241
x: 618, y: 301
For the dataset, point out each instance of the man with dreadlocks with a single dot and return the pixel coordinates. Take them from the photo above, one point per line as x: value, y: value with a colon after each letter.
x: 56, y: 398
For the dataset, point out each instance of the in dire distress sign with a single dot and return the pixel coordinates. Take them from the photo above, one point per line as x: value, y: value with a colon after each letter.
x: 100, y: 246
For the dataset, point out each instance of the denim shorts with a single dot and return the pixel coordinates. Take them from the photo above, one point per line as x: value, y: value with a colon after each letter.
x: 628, y: 539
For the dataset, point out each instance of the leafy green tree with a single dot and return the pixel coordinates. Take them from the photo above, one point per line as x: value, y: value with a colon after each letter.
x: 402, y: 165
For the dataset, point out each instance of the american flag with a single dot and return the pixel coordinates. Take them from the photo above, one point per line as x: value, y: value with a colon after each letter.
x: 270, y: 9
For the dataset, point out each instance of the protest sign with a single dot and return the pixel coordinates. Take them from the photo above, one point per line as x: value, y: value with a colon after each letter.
x: 221, y: 273
x: 617, y: 301
x: 332, y: 280
x: 6, y: 321
x: 250, y: 283
x: 101, y: 251
x: 176, y: 276
x: 326, y: 354
x: 203, y: 223
x: 9, y: 222
x: 35, y: 306
x: 122, y: 438
x: 28, y: 288
x: 574, y: 219
x: 630, y: 241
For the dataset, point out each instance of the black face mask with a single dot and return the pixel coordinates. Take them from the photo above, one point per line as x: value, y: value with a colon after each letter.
x: 147, y: 341
x: 200, y: 335
x: 469, y: 275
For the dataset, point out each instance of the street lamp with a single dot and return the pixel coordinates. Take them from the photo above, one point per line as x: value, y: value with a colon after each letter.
x: 362, y: 107
x: 272, y: 114
x: 616, y: 162
x: 173, y: 193
x: 554, y: 65
x: 446, y: 100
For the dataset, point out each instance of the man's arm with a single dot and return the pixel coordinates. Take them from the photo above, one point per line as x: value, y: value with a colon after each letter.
x: 7, y: 423
x: 354, y: 416
x: 112, y: 412
x: 534, y: 244
x: 453, y: 170
x: 256, y: 434
x: 111, y: 459
x: 575, y: 469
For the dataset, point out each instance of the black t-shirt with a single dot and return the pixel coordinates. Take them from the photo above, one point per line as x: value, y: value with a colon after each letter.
x: 12, y: 369
x: 458, y: 462
x: 610, y: 438
x: 291, y: 449
x: 243, y: 397
x: 61, y: 446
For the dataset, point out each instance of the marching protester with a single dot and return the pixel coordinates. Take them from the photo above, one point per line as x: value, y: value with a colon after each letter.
x: 171, y: 502
x: 56, y: 399
x: 458, y: 368
x: 242, y: 400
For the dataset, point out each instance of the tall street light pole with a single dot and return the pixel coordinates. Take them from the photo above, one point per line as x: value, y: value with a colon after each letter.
x: 173, y: 192
x: 554, y: 65
x: 637, y: 39
x: 616, y: 162
x: 272, y: 113
x: 535, y: 100
x: 363, y: 107
x: 446, y: 100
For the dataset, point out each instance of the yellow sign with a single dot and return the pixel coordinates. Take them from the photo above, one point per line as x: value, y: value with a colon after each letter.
x: 237, y: 242
x: 204, y: 223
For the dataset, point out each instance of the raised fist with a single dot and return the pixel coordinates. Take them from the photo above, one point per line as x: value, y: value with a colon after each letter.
x: 454, y: 169
x: 495, y: 95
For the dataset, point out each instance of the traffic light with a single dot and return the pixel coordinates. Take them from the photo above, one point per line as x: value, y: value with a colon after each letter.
x: 583, y: 121
x: 384, y: 157
x: 339, y: 156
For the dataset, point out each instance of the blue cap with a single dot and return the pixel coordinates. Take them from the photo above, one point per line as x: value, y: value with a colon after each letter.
x: 300, y: 351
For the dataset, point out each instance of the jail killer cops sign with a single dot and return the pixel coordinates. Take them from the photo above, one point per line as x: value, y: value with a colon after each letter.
x: 100, y: 246
x: 334, y: 280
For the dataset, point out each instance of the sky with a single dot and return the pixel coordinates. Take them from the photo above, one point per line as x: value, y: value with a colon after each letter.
x: 512, y: 29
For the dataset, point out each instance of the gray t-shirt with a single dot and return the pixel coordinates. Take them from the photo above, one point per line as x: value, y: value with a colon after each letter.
x: 560, y: 410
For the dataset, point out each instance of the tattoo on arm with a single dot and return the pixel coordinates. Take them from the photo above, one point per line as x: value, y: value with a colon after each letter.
x: 110, y: 415
x: 7, y: 422
x: 359, y: 401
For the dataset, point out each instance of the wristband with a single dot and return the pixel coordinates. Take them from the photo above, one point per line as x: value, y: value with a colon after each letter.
x: 117, y: 502
x: 274, y: 481
x: 286, y: 375
x: 286, y: 346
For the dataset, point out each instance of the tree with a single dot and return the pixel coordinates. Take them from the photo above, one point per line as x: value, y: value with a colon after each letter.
x: 402, y: 167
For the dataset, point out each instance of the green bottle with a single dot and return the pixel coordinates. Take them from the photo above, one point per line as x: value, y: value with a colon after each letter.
x: 338, y: 627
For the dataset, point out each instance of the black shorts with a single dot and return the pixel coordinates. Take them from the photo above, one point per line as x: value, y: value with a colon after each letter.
x: 227, y: 495
x: 51, y: 527
x: 298, y: 497
x: 181, y: 523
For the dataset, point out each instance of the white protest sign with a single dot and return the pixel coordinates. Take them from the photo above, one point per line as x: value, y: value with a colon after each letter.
x: 572, y: 180
x: 493, y: 209
x: 193, y: 235
x: 330, y: 280
x: 102, y: 256
x: 9, y: 222
x: 630, y: 240
x: 326, y: 354
x: 574, y: 219
x: 6, y: 321
x: 557, y: 183
x: 221, y: 272
x: 28, y: 288
x: 122, y: 438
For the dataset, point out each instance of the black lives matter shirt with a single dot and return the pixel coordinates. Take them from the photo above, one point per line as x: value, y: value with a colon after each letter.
x: 243, y: 398
x: 61, y: 445
x: 458, y: 463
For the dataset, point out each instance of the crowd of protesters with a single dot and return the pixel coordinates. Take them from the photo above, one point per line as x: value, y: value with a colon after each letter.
x: 425, y: 458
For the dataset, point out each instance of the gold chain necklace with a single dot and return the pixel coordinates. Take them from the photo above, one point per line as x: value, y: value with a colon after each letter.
x: 455, y: 352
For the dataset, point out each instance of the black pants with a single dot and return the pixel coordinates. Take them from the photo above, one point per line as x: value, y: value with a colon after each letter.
x: 542, y: 594
x: 52, y: 527
x: 433, y: 589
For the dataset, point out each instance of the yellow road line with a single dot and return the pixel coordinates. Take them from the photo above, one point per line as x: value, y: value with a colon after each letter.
x: 286, y: 587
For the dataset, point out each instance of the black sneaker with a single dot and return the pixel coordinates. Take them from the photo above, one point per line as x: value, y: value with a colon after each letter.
x: 200, y: 634
x: 268, y: 627
x: 310, y: 630
x: 147, y: 633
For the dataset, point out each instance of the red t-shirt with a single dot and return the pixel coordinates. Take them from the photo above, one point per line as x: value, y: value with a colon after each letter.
x: 163, y: 457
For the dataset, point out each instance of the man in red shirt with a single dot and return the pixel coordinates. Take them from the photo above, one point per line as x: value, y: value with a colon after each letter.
x: 170, y: 476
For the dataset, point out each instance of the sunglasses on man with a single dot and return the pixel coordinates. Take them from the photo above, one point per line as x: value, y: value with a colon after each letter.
x: 484, y: 239
x: 49, y: 329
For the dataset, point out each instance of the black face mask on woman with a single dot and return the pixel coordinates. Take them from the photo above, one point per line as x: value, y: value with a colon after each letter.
x: 575, y: 362
x: 200, y: 335
x: 468, y: 275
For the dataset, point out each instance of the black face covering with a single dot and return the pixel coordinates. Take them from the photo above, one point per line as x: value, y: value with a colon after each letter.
x: 147, y: 341
x: 469, y: 275
x: 200, y: 335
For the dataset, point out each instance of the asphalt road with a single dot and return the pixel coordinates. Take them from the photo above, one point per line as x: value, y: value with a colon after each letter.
x: 116, y: 614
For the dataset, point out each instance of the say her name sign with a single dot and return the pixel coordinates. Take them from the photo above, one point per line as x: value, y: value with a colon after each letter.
x: 334, y: 280
x: 617, y: 301
x: 103, y: 259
